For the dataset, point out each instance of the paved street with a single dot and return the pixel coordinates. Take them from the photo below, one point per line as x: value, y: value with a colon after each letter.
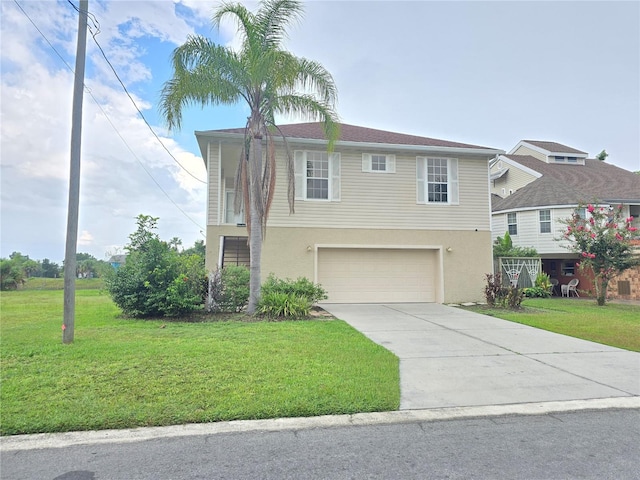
x: 588, y: 445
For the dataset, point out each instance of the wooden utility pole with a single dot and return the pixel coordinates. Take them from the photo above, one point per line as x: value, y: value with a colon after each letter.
x: 74, y: 180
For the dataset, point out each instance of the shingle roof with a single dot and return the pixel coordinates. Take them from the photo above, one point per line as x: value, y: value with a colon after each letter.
x: 554, y: 147
x: 352, y: 133
x: 571, y: 184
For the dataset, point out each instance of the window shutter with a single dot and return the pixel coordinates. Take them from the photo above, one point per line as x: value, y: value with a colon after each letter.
x: 334, y: 160
x: 453, y: 181
x: 366, y: 162
x: 420, y: 177
x: 300, y: 174
x: 391, y: 163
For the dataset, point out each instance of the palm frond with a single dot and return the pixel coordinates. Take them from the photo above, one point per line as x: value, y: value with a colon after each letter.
x: 274, y: 17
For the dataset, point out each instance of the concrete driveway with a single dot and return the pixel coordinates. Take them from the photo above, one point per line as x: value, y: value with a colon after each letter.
x: 450, y: 357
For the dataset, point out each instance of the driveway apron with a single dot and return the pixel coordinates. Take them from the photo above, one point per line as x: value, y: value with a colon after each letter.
x: 450, y: 357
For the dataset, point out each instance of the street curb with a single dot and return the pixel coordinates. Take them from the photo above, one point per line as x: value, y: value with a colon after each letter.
x: 61, y: 440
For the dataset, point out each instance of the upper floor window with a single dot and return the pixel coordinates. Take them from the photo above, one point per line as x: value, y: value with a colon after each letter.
x: 229, y: 214
x: 558, y: 159
x: 437, y: 180
x: 572, y: 159
x: 378, y: 163
x: 512, y: 223
x: 317, y: 175
x: 545, y: 221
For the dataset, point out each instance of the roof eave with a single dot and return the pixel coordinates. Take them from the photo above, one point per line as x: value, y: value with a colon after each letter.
x: 488, y: 152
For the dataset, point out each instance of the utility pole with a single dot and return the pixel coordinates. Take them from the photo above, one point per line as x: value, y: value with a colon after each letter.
x: 74, y: 180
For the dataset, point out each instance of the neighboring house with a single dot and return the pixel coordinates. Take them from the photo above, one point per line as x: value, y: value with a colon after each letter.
x: 385, y: 217
x: 539, y: 183
x: 117, y: 261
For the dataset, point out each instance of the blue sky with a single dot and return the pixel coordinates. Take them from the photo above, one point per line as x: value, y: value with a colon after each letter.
x: 485, y: 73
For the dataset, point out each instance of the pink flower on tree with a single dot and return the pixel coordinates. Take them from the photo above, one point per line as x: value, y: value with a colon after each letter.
x: 603, y: 244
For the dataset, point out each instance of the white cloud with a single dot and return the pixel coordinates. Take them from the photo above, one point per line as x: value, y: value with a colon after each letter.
x: 85, y: 238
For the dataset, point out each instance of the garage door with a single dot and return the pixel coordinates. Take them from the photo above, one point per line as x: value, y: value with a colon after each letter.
x: 363, y: 275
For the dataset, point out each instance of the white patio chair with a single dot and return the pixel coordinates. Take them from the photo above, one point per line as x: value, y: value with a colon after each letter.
x: 570, y: 287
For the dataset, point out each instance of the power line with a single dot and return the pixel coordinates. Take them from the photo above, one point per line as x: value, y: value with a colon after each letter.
x: 93, y: 35
x: 107, y: 116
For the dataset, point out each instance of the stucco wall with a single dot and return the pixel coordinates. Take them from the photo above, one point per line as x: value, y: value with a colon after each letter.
x: 291, y: 252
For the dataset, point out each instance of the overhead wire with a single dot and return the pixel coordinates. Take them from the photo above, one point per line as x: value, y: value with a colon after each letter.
x: 88, y: 90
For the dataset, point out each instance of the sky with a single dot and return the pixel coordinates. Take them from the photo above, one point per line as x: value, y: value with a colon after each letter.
x: 484, y: 73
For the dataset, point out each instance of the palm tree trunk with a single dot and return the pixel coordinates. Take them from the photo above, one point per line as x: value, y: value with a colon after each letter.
x: 255, y: 234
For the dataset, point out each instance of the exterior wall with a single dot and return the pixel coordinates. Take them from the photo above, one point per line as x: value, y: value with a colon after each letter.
x: 633, y: 277
x: 368, y: 200
x: 522, y: 150
x: 514, y: 179
x: 529, y: 230
x: 291, y: 252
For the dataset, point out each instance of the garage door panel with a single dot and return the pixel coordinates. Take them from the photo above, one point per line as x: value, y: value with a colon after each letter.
x: 352, y: 275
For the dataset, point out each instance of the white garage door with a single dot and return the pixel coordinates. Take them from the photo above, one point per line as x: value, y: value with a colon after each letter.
x: 363, y: 275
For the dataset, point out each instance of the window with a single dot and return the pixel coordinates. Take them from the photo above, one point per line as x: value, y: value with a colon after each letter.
x: 580, y: 212
x: 512, y: 223
x: 572, y: 159
x: 545, y: 221
x: 568, y: 269
x: 317, y: 175
x: 229, y: 216
x: 437, y: 180
x: 378, y: 163
x: 559, y: 159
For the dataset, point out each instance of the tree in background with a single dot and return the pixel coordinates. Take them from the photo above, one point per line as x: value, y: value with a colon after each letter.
x: 603, y: 243
x: 156, y: 280
x: 602, y: 156
x: 503, y: 247
x: 271, y: 81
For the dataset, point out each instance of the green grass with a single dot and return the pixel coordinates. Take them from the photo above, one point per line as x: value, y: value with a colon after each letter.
x: 613, y: 324
x: 40, y: 283
x: 122, y: 373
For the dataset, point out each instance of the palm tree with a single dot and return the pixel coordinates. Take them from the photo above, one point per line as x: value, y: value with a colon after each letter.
x: 272, y: 82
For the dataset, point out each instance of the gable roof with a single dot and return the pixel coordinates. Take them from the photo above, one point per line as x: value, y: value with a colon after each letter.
x: 355, y: 134
x: 554, y: 147
x: 571, y: 184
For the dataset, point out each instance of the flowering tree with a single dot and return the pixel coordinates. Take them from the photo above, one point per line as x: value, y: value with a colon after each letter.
x: 603, y: 242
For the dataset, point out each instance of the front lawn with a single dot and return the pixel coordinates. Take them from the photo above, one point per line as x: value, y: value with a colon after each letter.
x: 614, y: 324
x: 122, y: 373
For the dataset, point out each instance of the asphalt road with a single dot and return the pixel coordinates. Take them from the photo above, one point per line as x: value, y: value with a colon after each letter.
x: 586, y: 445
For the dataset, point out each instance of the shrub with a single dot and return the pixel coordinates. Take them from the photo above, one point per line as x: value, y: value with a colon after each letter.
x: 156, y: 279
x: 234, y: 288
x: 513, y: 298
x: 492, y: 289
x: 289, y: 298
x: 302, y: 287
x: 533, y: 292
x: 279, y: 304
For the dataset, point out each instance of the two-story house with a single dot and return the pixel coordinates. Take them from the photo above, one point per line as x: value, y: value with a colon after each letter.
x: 539, y: 183
x: 385, y: 217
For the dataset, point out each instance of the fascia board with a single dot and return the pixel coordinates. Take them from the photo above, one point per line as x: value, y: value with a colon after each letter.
x: 539, y: 207
x: 488, y: 152
x: 515, y: 164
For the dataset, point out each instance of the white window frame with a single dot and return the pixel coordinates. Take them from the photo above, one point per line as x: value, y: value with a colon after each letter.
x: 300, y: 167
x: 422, y: 180
x: 228, y: 209
x: 541, y: 221
x: 514, y: 223
x: 368, y: 163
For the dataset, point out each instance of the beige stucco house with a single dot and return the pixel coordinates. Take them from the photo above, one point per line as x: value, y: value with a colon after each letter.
x: 538, y: 184
x: 385, y: 217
